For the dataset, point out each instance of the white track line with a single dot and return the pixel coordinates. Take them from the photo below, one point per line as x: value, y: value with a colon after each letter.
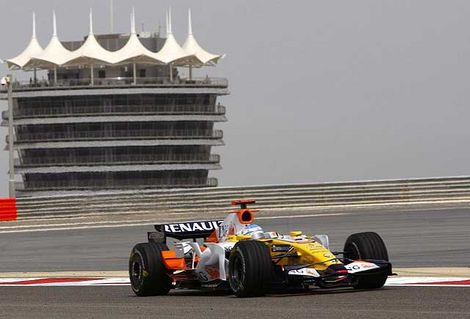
x: 42, y: 282
x: 94, y: 223
x: 301, y: 216
x: 428, y: 281
x: 120, y: 224
x: 124, y: 281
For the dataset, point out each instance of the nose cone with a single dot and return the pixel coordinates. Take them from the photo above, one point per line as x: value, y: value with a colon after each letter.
x: 335, y: 273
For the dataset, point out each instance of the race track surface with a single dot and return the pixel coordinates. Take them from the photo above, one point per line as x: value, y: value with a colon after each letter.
x: 119, y: 302
x: 418, y: 238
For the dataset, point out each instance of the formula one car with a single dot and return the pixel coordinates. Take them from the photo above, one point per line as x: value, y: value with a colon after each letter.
x: 237, y: 255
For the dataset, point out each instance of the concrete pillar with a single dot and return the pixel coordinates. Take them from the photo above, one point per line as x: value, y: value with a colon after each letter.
x: 11, y: 181
x: 135, y: 73
x: 55, y: 75
x: 92, y: 75
x: 171, y: 72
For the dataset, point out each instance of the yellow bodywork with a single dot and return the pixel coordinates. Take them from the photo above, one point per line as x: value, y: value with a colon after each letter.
x: 307, y: 251
x: 304, y: 250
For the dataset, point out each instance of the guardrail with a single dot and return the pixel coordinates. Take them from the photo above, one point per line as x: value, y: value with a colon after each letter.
x: 116, y: 134
x: 119, y: 82
x: 174, y: 182
x: 106, y: 159
x: 115, y: 109
x: 195, y: 202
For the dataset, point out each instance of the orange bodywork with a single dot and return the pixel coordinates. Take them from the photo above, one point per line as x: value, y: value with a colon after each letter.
x: 171, y: 261
x: 245, y: 216
x: 212, y: 238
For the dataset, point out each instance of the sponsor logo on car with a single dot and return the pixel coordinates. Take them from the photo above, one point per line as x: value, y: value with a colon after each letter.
x: 359, y: 266
x: 310, y: 272
x: 280, y: 248
x: 191, y: 226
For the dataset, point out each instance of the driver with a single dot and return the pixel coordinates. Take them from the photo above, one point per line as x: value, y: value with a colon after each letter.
x: 253, y: 230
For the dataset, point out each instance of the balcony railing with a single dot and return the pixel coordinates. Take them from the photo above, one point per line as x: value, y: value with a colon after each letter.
x: 45, y: 161
x: 120, y: 82
x: 117, y: 134
x: 87, y: 184
x: 116, y: 110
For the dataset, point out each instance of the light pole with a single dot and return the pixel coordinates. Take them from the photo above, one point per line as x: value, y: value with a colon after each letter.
x: 11, y: 181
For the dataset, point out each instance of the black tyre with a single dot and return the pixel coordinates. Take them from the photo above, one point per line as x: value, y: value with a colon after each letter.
x: 367, y: 245
x: 147, y: 273
x: 250, y: 269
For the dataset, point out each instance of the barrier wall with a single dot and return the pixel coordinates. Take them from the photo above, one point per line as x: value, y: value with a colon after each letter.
x: 404, y: 192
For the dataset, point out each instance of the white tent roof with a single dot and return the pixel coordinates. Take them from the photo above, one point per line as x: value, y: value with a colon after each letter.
x: 55, y: 54
x: 134, y: 51
x: 192, y: 47
x: 172, y: 52
x: 90, y: 51
x: 33, y: 49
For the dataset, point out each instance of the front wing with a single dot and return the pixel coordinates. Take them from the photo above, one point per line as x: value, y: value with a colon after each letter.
x: 306, y: 275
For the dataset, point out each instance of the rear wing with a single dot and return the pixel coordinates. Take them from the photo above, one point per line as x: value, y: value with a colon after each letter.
x: 184, y: 230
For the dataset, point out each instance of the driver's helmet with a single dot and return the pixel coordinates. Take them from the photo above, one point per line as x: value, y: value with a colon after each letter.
x: 253, y: 230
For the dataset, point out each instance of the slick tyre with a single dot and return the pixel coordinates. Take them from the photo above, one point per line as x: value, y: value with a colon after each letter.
x: 250, y: 269
x: 367, y: 245
x: 147, y: 273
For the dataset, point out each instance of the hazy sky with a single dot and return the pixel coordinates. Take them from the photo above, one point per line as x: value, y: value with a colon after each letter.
x: 320, y: 90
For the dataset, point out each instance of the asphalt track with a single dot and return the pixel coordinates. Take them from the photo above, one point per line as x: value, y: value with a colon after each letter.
x: 417, y: 238
x: 119, y: 302
x: 414, y: 239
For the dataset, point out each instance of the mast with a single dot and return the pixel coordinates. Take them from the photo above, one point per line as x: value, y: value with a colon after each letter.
x: 111, y: 16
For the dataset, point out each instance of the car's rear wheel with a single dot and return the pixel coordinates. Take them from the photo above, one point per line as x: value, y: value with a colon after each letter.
x: 147, y: 273
x: 250, y: 269
x: 368, y: 245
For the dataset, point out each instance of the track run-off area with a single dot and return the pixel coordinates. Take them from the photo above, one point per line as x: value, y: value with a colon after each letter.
x: 79, y: 271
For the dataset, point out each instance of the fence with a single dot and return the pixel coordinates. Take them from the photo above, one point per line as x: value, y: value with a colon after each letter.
x: 121, y: 134
x: 149, y: 182
x: 119, y: 82
x: 136, y: 158
x: 176, y: 109
x: 194, y: 202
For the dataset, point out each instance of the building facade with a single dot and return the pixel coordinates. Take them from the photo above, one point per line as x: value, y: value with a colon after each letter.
x: 97, y: 125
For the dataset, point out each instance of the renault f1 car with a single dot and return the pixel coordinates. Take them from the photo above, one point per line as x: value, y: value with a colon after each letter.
x: 236, y: 255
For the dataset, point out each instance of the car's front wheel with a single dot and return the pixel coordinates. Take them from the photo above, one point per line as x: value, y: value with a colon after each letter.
x: 250, y: 268
x: 368, y: 245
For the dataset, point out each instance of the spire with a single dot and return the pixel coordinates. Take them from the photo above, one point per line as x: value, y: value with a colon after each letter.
x: 191, y: 47
x: 190, y: 27
x: 166, y: 22
x: 54, y: 24
x: 169, y: 21
x: 133, y: 21
x: 111, y: 16
x: 32, y: 50
x: 34, y: 25
x: 91, y: 21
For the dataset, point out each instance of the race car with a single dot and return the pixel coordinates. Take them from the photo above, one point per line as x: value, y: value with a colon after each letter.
x: 238, y: 256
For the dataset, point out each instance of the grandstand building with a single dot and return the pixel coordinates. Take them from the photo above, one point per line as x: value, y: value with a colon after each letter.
x: 114, y: 113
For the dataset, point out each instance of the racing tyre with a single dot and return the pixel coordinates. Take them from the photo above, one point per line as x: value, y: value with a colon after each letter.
x: 147, y: 273
x: 367, y: 245
x: 250, y: 269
